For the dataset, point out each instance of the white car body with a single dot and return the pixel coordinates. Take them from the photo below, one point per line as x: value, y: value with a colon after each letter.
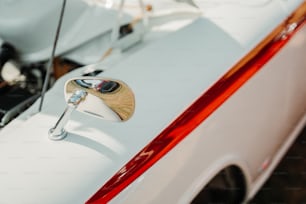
x: 251, y: 127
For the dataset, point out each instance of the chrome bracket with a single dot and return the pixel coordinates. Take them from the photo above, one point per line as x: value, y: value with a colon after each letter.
x: 58, y: 132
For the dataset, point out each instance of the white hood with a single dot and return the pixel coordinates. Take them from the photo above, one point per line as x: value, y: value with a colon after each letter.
x: 166, y: 77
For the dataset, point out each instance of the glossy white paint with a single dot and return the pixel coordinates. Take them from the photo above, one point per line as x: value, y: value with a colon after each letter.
x: 274, y: 100
x: 166, y: 77
x: 31, y: 25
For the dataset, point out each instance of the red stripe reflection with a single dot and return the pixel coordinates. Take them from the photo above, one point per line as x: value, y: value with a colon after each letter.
x: 200, y: 110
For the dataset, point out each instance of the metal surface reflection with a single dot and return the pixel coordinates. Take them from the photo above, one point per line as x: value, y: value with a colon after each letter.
x: 106, y: 98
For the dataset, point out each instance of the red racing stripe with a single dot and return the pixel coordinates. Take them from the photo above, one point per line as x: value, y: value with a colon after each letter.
x: 203, y: 107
